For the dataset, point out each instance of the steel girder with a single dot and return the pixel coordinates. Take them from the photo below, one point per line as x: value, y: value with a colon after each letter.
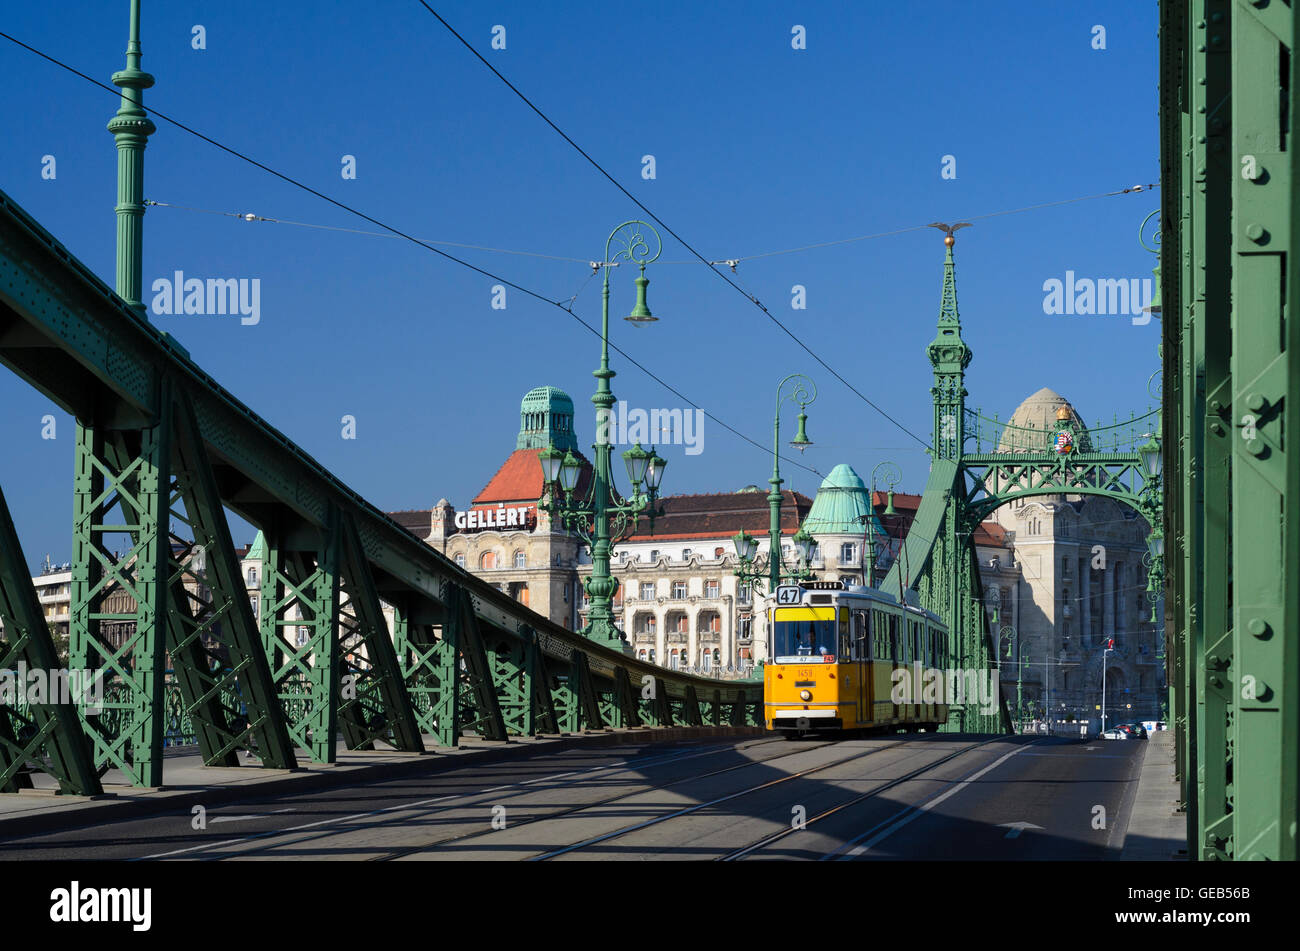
x: 127, y: 473
x: 374, y: 703
x: 300, y: 596
x: 48, y: 736
x: 1262, y: 384
x: 67, y: 334
x: 1232, y: 358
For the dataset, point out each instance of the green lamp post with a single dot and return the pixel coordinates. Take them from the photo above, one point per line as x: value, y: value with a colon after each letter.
x: 605, y: 517
x: 752, y: 567
x: 1013, y: 641
x: 131, y: 128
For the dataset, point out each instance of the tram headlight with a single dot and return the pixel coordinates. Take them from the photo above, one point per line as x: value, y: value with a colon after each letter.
x: 805, y: 695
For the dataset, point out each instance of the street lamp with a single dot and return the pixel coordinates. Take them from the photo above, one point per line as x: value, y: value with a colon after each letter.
x: 802, y: 391
x: 1109, y: 649
x: 604, y: 516
x: 1014, y: 640
x: 892, y: 477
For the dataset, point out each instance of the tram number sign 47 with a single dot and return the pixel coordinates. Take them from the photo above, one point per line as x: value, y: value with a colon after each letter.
x: 789, y: 594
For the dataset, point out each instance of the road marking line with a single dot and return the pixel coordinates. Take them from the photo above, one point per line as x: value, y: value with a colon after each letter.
x: 916, y: 812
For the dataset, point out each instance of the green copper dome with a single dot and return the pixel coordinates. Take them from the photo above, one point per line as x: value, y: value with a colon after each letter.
x: 546, y: 419
x: 841, y: 504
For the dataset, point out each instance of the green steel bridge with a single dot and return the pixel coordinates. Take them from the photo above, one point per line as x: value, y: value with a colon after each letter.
x: 162, y: 447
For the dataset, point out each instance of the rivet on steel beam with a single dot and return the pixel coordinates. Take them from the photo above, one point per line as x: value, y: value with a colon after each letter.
x: 1255, y: 446
x: 1255, y: 232
x: 1258, y: 627
x: 1216, y: 406
x: 1256, y: 402
x: 1217, y: 428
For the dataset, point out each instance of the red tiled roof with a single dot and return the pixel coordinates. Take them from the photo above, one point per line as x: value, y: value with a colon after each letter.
x: 722, y: 514
x: 520, y: 479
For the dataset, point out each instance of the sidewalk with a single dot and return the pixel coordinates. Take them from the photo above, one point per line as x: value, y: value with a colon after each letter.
x: 1155, y: 832
x: 189, y: 783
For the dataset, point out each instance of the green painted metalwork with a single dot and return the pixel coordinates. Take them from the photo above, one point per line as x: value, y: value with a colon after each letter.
x: 542, y: 717
x: 752, y: 568
x: 588, y: 700
x: 1228, y: 81
x: 300, y: 610
x: 47, y: 736
x: 376, y: 704
x: 131, y: 128
x: 213, y: 638
x: 120, y: 490
x: 967, y: 484
x: 628, y: 713
x: 604, y: 517
x: 691, y: 707
x: 479, y: 706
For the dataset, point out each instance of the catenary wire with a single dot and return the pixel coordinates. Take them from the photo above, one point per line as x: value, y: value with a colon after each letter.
x: 396, y: 232
x: 753, y: 299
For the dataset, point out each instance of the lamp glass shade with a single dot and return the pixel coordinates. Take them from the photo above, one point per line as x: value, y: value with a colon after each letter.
x: 637, y: 461
x: 745, y: 545
x: 655, y: 471
x: 569, y: 471
x: 550, y: 459
x: 1151, y: 458
x: 803, y: 542
x: 801, y: 440
x: 641, y: 313
x: 1156, y: 544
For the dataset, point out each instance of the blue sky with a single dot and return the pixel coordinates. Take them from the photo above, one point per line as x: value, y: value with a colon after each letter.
x: 758, y: 147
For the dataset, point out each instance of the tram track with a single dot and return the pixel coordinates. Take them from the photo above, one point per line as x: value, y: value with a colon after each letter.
x: 890, y: 784
x: 677, y: 814
x: 457, y: 800
x: 573, y: 810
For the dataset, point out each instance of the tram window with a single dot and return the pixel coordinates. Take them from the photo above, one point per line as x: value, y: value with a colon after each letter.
x: 893, y: 638
x: 861, y: 645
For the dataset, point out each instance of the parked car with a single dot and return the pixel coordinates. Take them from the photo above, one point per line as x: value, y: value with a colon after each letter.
x: 1136, y: 729
x: 1114, y: 733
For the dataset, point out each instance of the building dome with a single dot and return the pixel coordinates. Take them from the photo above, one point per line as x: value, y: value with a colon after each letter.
x: 841, y: 505
x: 1041, y: 413
x: 546, y: 419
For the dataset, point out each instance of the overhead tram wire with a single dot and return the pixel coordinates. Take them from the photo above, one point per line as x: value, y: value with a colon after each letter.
x: 246, y: 216
x: 757, y: 303
x: 561, y: 305
x: 711, y: 264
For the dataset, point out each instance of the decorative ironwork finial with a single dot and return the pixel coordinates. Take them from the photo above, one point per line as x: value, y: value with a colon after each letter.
x: 947, y: 230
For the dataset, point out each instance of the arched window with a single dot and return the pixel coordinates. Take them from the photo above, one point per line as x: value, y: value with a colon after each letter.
x: 252, y: 577
x: 521, y: 560
x: 488, y: 560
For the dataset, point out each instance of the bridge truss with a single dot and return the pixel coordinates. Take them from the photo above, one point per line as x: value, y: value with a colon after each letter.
x: 1231, y: 345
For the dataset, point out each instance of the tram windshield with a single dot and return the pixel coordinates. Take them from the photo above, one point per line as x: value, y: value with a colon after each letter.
x: 796, y: 641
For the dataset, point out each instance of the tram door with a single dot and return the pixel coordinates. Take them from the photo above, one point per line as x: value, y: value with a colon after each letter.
x: 861, y: 653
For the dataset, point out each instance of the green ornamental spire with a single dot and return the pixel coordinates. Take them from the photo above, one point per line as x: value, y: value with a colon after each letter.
x: 949, y: 356
x: 131, y: 127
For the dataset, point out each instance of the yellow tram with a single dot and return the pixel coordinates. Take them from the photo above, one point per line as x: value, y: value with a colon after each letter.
x: 845, y: 657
